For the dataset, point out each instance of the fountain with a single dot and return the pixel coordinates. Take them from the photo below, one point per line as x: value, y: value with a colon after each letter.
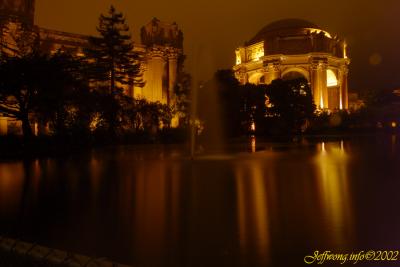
x: 205, y: 107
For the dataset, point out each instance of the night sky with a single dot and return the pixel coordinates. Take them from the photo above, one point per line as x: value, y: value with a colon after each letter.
x: 214, y: 28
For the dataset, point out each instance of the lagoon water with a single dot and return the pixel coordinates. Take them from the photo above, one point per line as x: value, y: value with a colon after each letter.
x: 256, y: 205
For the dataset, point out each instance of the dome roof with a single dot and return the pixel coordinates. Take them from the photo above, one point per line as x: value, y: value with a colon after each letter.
x: 289, y: 24
x: 283, y: 26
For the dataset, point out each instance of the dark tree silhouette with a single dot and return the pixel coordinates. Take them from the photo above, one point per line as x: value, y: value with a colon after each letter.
x: 65, y: 99
x: 112, y: 62
x: 111, y: 56
x: 182, y: 93
x: 291, y: 103
x: 44, y: 88
x: 21, y: 82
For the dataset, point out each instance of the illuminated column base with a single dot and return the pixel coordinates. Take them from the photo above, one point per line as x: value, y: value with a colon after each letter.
x: 153, y: 90
x: 271, y: 73
x: 172, y: 71
x: 3, y: 126
x: 344, y: 90
x: 319, y: 84
x: 175, y: 122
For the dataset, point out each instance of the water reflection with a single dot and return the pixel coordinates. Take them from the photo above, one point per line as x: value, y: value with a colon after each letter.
x: 156, y: 198
x: 11, y: 187
x: 334, y: 195
x: 253, y: 211
x: 154, y: 207
x: 253, y: 144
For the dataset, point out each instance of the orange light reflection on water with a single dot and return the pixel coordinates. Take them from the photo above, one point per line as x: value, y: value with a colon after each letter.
x: 334, y: 192
x: 253, y: 216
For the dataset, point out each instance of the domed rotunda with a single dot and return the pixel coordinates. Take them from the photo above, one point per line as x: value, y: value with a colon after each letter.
x: 294, y: 48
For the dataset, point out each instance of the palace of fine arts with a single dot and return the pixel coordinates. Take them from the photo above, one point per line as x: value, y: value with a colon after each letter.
x: 203, y: 133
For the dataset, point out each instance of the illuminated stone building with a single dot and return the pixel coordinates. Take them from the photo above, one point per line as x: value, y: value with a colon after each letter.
x: 161, y: 51
x: 294, y: 48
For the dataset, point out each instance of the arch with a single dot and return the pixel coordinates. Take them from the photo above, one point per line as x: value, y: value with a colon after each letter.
x: 331, y: 79
x: 255, y: 77
x: 295, y: 72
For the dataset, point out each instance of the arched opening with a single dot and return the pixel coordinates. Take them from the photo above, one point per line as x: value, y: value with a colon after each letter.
x: 292, y: 75
x: 256, y: 78
x: 334, y: 99
x: 295, y: 73
x: 331, y: 79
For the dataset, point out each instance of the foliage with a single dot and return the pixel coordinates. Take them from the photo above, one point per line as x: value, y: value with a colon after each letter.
x: 291, y: 103
x: 111, y: 58
x: 239, y: 105
x: 66, y: 101
x: 182, y: 97
x: 21, y: 84
x: 112, y: 64
x: 253, y: 107
x: 43, y: 88
x: 18, y: 39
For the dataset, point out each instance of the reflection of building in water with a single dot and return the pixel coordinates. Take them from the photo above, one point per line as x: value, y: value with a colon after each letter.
x: 11, y: 187
x: 334, y: 192
x: 253, y: 211
x: 294, y: 48
x: 156, y: 202
x: 161, y: 51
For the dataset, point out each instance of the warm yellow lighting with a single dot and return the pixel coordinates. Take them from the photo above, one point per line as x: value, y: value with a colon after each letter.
x: 95, y: 122
x: 321, y: 102
x: 394, y: 124
x: 345, y: 49
x: 254, y: 52
x: 259, y: 54
x: 253, y: 144
x: 253, y: 214
x: 318, y: 31
x: 253, y: 127
x: 334, y: 190
x: 36, y: 129
x: 238, y: 58
x: 331, y: 79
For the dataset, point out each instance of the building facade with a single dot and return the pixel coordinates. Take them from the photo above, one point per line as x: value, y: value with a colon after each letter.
x: 293, y: 48
x: 161, y: 52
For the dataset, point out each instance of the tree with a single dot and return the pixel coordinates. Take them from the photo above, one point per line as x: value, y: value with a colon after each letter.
x: 42, y: 87
x: 18, y: 39
x: 64, y: 98
x: 112, y: 61
x: 182, y: 93
x: 20, y: 87
x: 290, y: 102
x: 253, y: 108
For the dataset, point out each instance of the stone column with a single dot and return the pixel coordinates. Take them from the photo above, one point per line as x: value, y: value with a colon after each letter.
x: 344, y: 96
x: 315, y: 85
x: 3, y: 125
x: 272, y: 72
x: 323, y: 84
x: 172, y: 76
x: 153, y: 90
x: 241, y: 76
x: 319, y: 84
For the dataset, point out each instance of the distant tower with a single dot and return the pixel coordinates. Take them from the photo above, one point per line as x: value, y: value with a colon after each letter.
x: 163, y: 43
x: 18, y: 10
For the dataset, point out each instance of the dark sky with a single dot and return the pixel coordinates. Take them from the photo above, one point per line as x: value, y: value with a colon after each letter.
x: 214, y: 28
